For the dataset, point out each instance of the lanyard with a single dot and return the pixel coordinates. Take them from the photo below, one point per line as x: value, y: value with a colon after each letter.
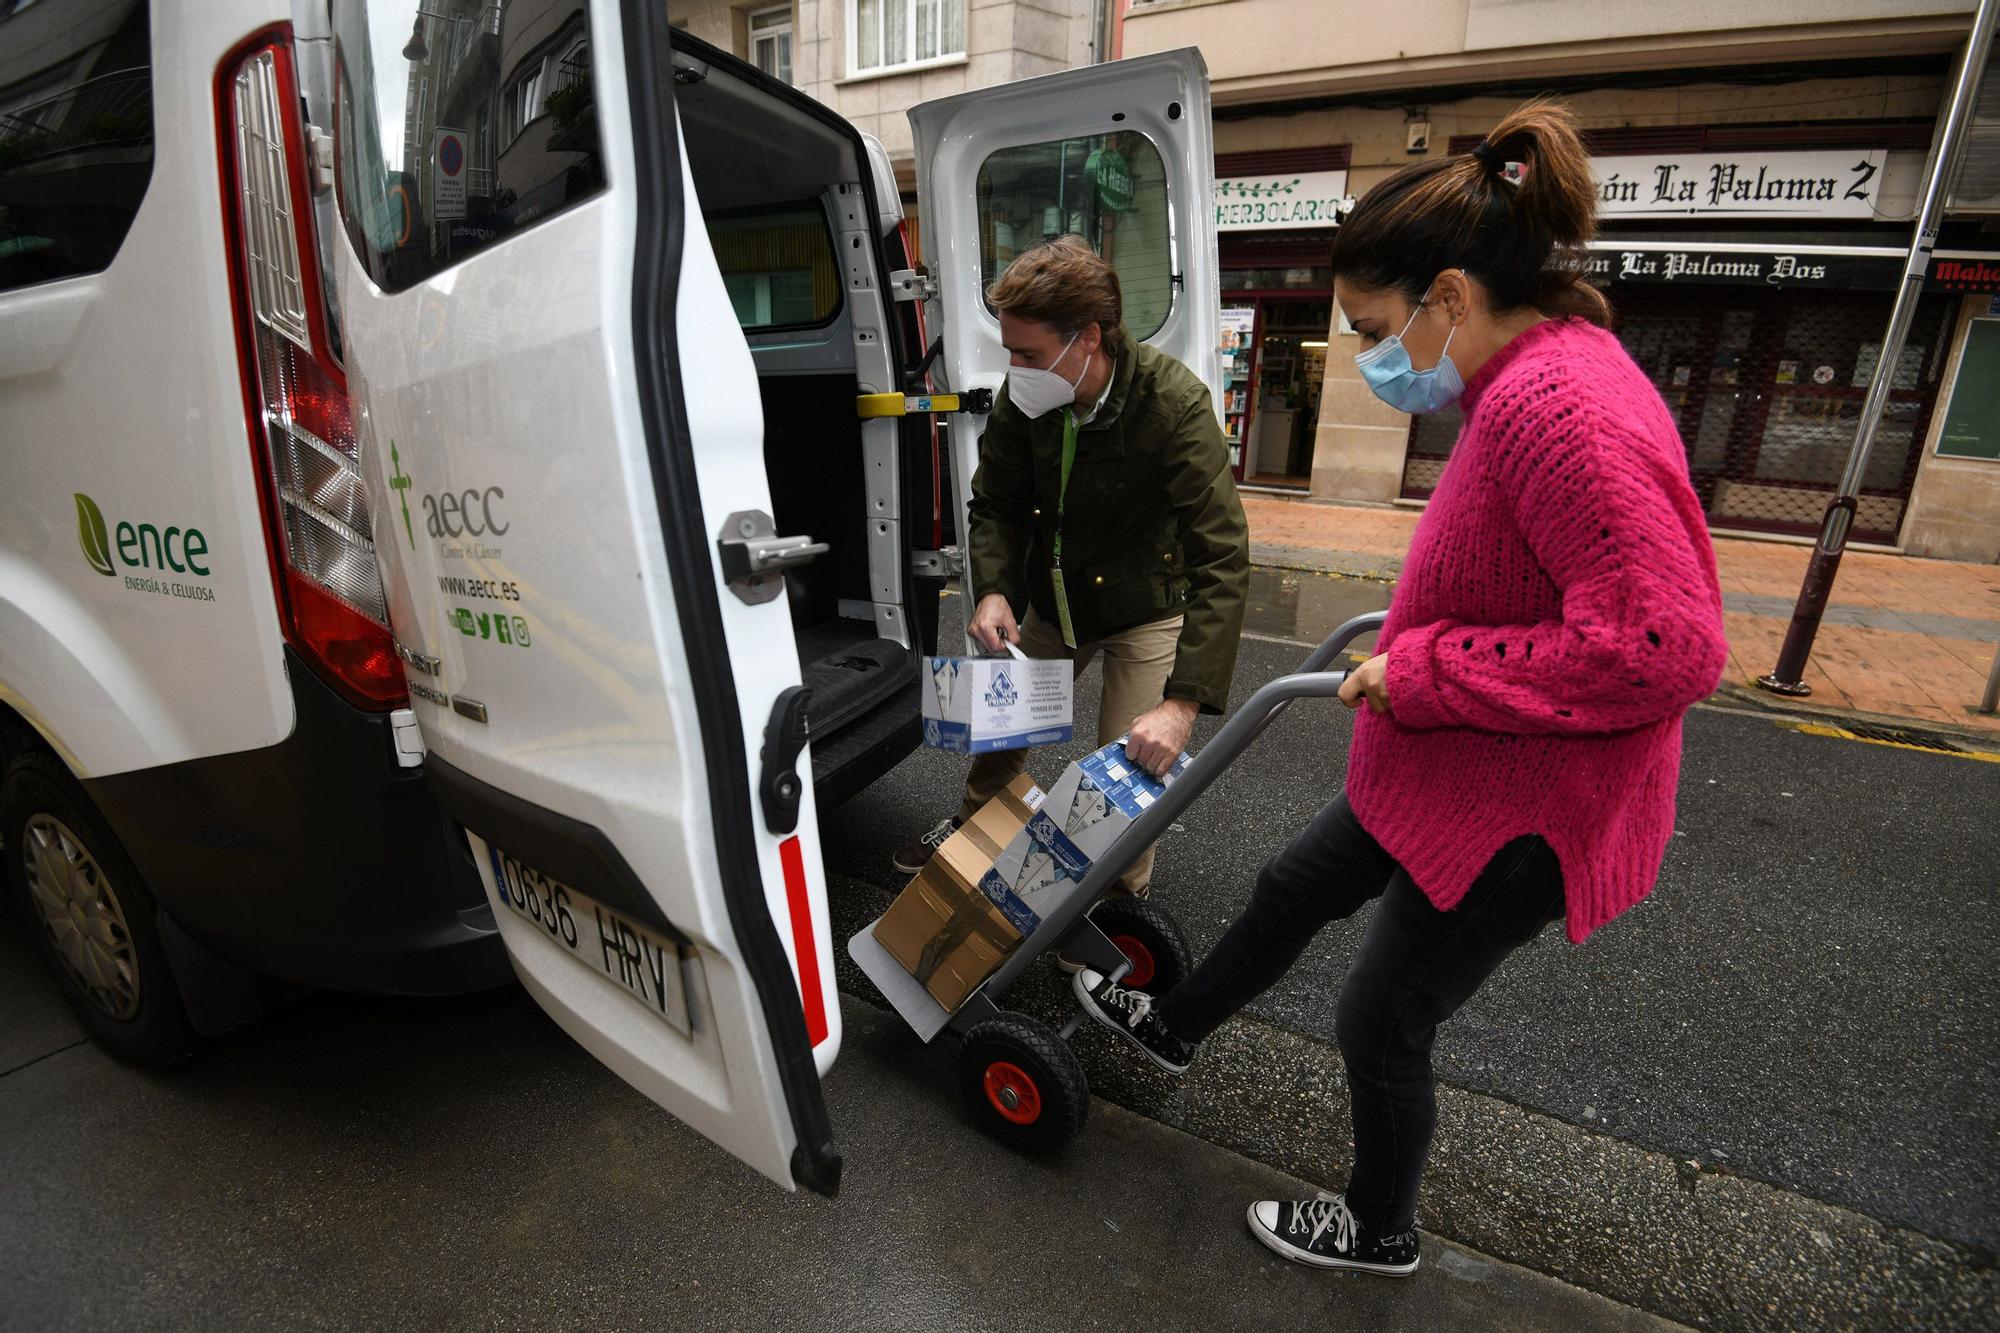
x: 1068, y: 461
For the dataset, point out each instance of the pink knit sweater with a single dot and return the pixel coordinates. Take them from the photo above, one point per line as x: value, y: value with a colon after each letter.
x: 1558, y: 613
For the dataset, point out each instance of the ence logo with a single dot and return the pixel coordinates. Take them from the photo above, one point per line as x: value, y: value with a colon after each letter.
x: 143, y: 546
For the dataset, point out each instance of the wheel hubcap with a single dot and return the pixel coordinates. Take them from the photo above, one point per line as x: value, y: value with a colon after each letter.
x: 1143, y: 966
x: 1013, y: 1092
x: 80, y: 911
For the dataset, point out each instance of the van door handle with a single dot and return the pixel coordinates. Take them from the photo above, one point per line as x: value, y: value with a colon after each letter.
x: 755, y: 557
x: 780, y: 788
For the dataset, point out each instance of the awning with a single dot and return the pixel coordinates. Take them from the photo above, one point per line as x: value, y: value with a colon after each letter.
x: 1767, y: 264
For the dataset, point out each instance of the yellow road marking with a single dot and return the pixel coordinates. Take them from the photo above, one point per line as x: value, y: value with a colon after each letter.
x: 1842, y: 734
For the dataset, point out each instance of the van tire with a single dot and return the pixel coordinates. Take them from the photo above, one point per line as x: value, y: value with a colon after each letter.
x: 55, y: 836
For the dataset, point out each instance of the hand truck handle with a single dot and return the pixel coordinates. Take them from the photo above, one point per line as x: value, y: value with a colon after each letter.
x: 1311, y: 681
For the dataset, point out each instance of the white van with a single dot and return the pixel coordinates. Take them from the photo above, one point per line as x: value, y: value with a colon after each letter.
x: 618, y: 338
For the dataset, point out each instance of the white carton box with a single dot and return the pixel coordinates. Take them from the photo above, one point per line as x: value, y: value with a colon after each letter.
x: 1094, y: 801
x: 975, y: 704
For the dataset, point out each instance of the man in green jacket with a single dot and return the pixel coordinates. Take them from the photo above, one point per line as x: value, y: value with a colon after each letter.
x: 1103, y: 506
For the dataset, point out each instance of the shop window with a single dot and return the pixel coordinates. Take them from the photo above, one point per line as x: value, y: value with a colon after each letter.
x: 1110, y: 189
x: 778, y: 264
x: 1767, y: 388
x: 76, y: 140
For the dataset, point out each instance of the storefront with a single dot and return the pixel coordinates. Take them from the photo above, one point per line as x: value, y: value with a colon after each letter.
x: 1764, y: 338
x: 1275, y: 214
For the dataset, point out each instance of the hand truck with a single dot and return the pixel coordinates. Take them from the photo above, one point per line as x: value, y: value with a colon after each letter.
x: 1018, y: 1075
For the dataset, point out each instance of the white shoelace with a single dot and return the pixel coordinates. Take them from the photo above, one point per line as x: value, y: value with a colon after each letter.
x: 1328, y: 1210
x: 1136, y: 1003
x: 944, y: 829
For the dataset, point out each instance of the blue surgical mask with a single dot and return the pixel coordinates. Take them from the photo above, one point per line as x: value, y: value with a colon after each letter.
x: 1386, y: 367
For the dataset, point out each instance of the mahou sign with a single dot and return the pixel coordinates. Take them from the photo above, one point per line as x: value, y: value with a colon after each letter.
x: 1823, y: 184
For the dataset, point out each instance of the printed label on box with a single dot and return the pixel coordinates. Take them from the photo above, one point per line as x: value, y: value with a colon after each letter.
x: 973, y: 705
x: 1094, y: 801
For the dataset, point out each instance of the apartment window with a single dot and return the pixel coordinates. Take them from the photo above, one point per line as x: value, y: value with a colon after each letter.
x: 771, y: 42
x: 885, y: 35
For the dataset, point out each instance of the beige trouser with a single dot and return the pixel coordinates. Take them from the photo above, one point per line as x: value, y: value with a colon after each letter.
x: 1137, y: 663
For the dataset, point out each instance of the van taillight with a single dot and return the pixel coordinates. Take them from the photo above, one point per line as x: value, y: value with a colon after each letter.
x: 295, y: 394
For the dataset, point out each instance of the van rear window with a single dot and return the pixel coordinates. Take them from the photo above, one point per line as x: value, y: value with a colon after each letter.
x: 460, y: 123
x: 778, y: 264
x: 76, y: 135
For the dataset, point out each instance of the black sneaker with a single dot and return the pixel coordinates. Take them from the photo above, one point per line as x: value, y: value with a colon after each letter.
x: 1130, y: 1014
x: 1325, y: 1233
x: 918, y: 854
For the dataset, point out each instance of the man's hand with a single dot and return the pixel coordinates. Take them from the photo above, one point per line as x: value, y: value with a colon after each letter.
x: 993, y: 624
x: 1159, y: 736
x: 1368, y: 681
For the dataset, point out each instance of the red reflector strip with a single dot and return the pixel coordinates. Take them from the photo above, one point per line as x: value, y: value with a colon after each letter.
x: 810, y: 994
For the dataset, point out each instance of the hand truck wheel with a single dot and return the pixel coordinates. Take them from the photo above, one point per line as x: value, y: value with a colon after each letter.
x: 1024, y: 1085
x: 1150, y: 937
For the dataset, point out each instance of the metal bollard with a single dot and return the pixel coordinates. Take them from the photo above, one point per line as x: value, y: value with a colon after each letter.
x: 1991, y: 702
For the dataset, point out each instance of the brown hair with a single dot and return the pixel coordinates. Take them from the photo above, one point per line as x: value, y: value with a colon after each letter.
x: 1516, y: 213
x: 1064, y: 284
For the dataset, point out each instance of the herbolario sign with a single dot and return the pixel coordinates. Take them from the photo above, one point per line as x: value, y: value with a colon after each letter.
x: 1819, y: 184
x: 1287, y: 201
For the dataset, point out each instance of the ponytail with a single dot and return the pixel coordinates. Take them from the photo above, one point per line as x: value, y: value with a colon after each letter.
x: 1516, y: 213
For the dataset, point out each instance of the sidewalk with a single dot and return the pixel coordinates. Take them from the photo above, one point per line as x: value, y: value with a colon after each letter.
x: 443, y: 1164
x: 1904, y: 638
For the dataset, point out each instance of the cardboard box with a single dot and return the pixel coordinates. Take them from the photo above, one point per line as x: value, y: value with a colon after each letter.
x: 975, y: 704
x: 1094, y: 802
x: 941, y: 928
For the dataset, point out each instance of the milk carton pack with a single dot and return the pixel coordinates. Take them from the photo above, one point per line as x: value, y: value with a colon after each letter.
x: 975, y: 704
x: 1094, y: 801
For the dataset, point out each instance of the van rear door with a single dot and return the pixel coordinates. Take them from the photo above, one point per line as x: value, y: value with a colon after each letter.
x: 563, y: 438
x: 1121, y: 154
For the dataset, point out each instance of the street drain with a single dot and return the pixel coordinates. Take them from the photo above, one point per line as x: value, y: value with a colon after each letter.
x: 1915, y: 740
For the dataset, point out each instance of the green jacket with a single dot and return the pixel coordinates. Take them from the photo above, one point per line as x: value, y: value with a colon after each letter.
x: 1152, y: 526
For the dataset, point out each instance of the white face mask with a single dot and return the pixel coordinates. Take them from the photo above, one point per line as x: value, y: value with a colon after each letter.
x: 1039, y: 392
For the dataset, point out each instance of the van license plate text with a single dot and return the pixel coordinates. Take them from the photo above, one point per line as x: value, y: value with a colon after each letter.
x: 643, y: 965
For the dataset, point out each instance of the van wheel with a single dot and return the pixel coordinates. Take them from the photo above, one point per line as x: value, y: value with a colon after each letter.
x: 91, y: 917
x: 1025, y: 1087
x: 1150, y: 937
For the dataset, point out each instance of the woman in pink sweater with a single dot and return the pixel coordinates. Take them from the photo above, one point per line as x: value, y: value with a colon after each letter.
x: 1516, y: 760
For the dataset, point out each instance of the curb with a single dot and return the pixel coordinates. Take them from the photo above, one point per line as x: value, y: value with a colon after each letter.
x: 1688, y: 1241
x: 1317, y: 560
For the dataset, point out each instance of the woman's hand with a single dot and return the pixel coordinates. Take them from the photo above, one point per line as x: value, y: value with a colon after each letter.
x: 993, y: 623
x: 1368, y: 681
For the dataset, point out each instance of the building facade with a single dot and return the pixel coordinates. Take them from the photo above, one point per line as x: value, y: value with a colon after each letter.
x: 1757, y: 172
x: 872, y: 60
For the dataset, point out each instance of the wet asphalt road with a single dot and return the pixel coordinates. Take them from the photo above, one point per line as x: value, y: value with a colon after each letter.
x: 1808, y: 998
x: 363, y: 1163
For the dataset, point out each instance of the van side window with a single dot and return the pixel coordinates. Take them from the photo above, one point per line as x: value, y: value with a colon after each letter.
x: 1110, y: 189
x: 778, y: 264
x: 460, y: 123
x: 76, y: 135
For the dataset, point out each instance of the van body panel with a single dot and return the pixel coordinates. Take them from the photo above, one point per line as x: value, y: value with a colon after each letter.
x: 561, y: 565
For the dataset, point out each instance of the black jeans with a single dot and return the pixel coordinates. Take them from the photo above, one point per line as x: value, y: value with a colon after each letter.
x: 1415, y: 967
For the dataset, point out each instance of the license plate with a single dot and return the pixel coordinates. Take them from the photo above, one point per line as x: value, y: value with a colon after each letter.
x: 637, y: 960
